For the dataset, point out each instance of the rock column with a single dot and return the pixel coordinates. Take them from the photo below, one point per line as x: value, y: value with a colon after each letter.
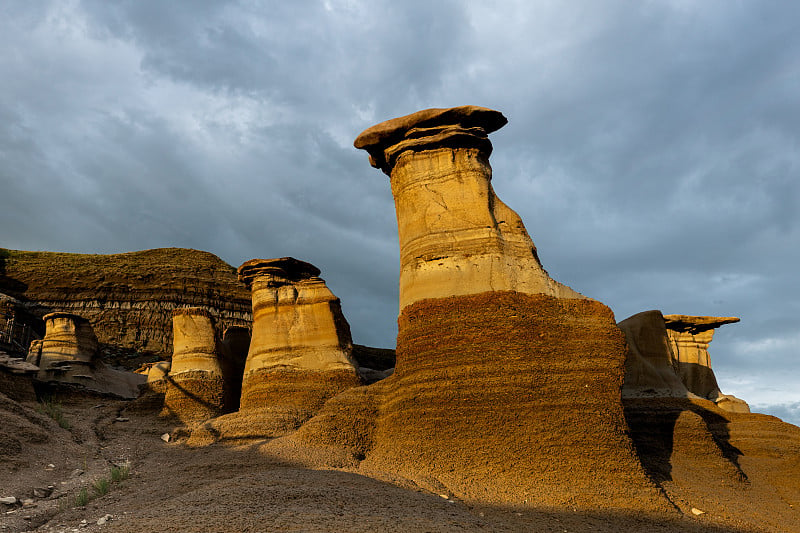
x: 300, y: 351
x: 196, y: 384
x: 507, y: 384
x: 456, y: 236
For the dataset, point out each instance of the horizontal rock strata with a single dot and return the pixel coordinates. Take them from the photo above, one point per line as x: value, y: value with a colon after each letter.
x: 127, y: 298
x: 508, y: 397
x: 456, y: 236
x: 196, y: 383
x: 668, y: 357
x: 299, y: 354
x: 68, y: 355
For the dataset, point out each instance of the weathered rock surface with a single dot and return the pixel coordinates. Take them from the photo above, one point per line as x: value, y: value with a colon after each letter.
x: 300, y: 337
x: 456, y: 236
x: 196, y: 382
x: 668, y: 357
x: 127, y: 298
x: 299, y: 356
x: 689, y: 337
x: 500, y: 369
x: 68, y: 355
x: 16, y: 378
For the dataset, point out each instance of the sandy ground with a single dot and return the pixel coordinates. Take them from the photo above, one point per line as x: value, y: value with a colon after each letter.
x: 173, y: 487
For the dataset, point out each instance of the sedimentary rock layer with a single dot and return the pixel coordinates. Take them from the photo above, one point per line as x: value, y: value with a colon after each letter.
x: 668, y: 357
x: 456, y: 236
x: 511, y: 397
x: 689, y: 337
x: 195, y: 384
x: 68, y: 355
x: 300, y: 351
x: 128, y: 298
x: 740, y: 468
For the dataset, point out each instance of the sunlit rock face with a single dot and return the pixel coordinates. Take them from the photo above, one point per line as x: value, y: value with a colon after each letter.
x: 128, y: 298
x: 68, y: 354
x: 456, y: 236
x: 650, y: 364
x: 300, y: 351
x: 507, y: 384
x: 196, y: 383
x: 668, y: 357
x: 68, y: 338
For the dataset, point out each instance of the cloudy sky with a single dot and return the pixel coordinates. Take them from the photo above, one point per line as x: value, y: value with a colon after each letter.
x: 653, y: 147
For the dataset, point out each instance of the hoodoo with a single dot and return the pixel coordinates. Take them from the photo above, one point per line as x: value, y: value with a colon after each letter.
x: 68, y: 354
x: 456, y: 236
x: 196, y: 382
x: 300, y: 352
x: 668, y: 357
x: 499, y: 367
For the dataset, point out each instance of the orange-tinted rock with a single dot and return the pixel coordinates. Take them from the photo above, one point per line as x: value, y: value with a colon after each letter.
x: 128, y: 298
x: 668, y: 357
x: 300, y: 351
x: 690, y: 337
x: 68, y: 355
x: 507, y: 384
x: 650, y: 362
x: 510, y: 397
x: 196, y: 383
x: 456, y: 236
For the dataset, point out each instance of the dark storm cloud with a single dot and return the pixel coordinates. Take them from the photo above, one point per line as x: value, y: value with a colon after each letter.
x: 652, y: 148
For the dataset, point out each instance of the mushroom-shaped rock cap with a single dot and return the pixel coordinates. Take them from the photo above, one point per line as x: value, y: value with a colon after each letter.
x: 285, y: 267
x: 379, y: 137
x: 696, y: 324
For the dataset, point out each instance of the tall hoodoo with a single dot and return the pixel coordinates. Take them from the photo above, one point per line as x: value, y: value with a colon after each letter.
x: 300, y: 352
x: 456, y: 236
x: 499, y: 367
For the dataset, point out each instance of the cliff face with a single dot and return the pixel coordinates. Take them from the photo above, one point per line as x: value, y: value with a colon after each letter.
x: 128, y: 298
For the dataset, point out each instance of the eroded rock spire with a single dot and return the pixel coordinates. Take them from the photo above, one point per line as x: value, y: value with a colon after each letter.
x: 300, y: 353
x: 456, y: 236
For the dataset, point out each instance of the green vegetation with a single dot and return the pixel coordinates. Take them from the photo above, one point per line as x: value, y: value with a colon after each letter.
x: 120, y: 473
x: 51, y: 408
x: 82, y: 498
x: 101, y: 486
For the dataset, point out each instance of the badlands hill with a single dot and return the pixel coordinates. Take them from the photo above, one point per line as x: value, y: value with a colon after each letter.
x: 128, y: 298
x: 515, y: 403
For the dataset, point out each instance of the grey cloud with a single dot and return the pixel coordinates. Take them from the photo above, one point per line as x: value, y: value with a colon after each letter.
x: 652, y: 150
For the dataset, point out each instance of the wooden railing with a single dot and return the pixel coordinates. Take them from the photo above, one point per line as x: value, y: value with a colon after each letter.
x: 15, y: 335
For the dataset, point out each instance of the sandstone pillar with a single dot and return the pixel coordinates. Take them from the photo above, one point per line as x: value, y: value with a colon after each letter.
x: 196, y: 388
x: 69, y: 346
x: 668, y: 357
x: 300, y: 351
x: 68, y: 354
x: 456, y: 236
x: 689, y: 337
x: 507, y: 384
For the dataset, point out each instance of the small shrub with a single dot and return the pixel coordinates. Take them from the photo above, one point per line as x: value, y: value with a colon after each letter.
x: 82, y: 498
x: 52, y: 409
x: 101, y: 486
x: 119, y: 473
